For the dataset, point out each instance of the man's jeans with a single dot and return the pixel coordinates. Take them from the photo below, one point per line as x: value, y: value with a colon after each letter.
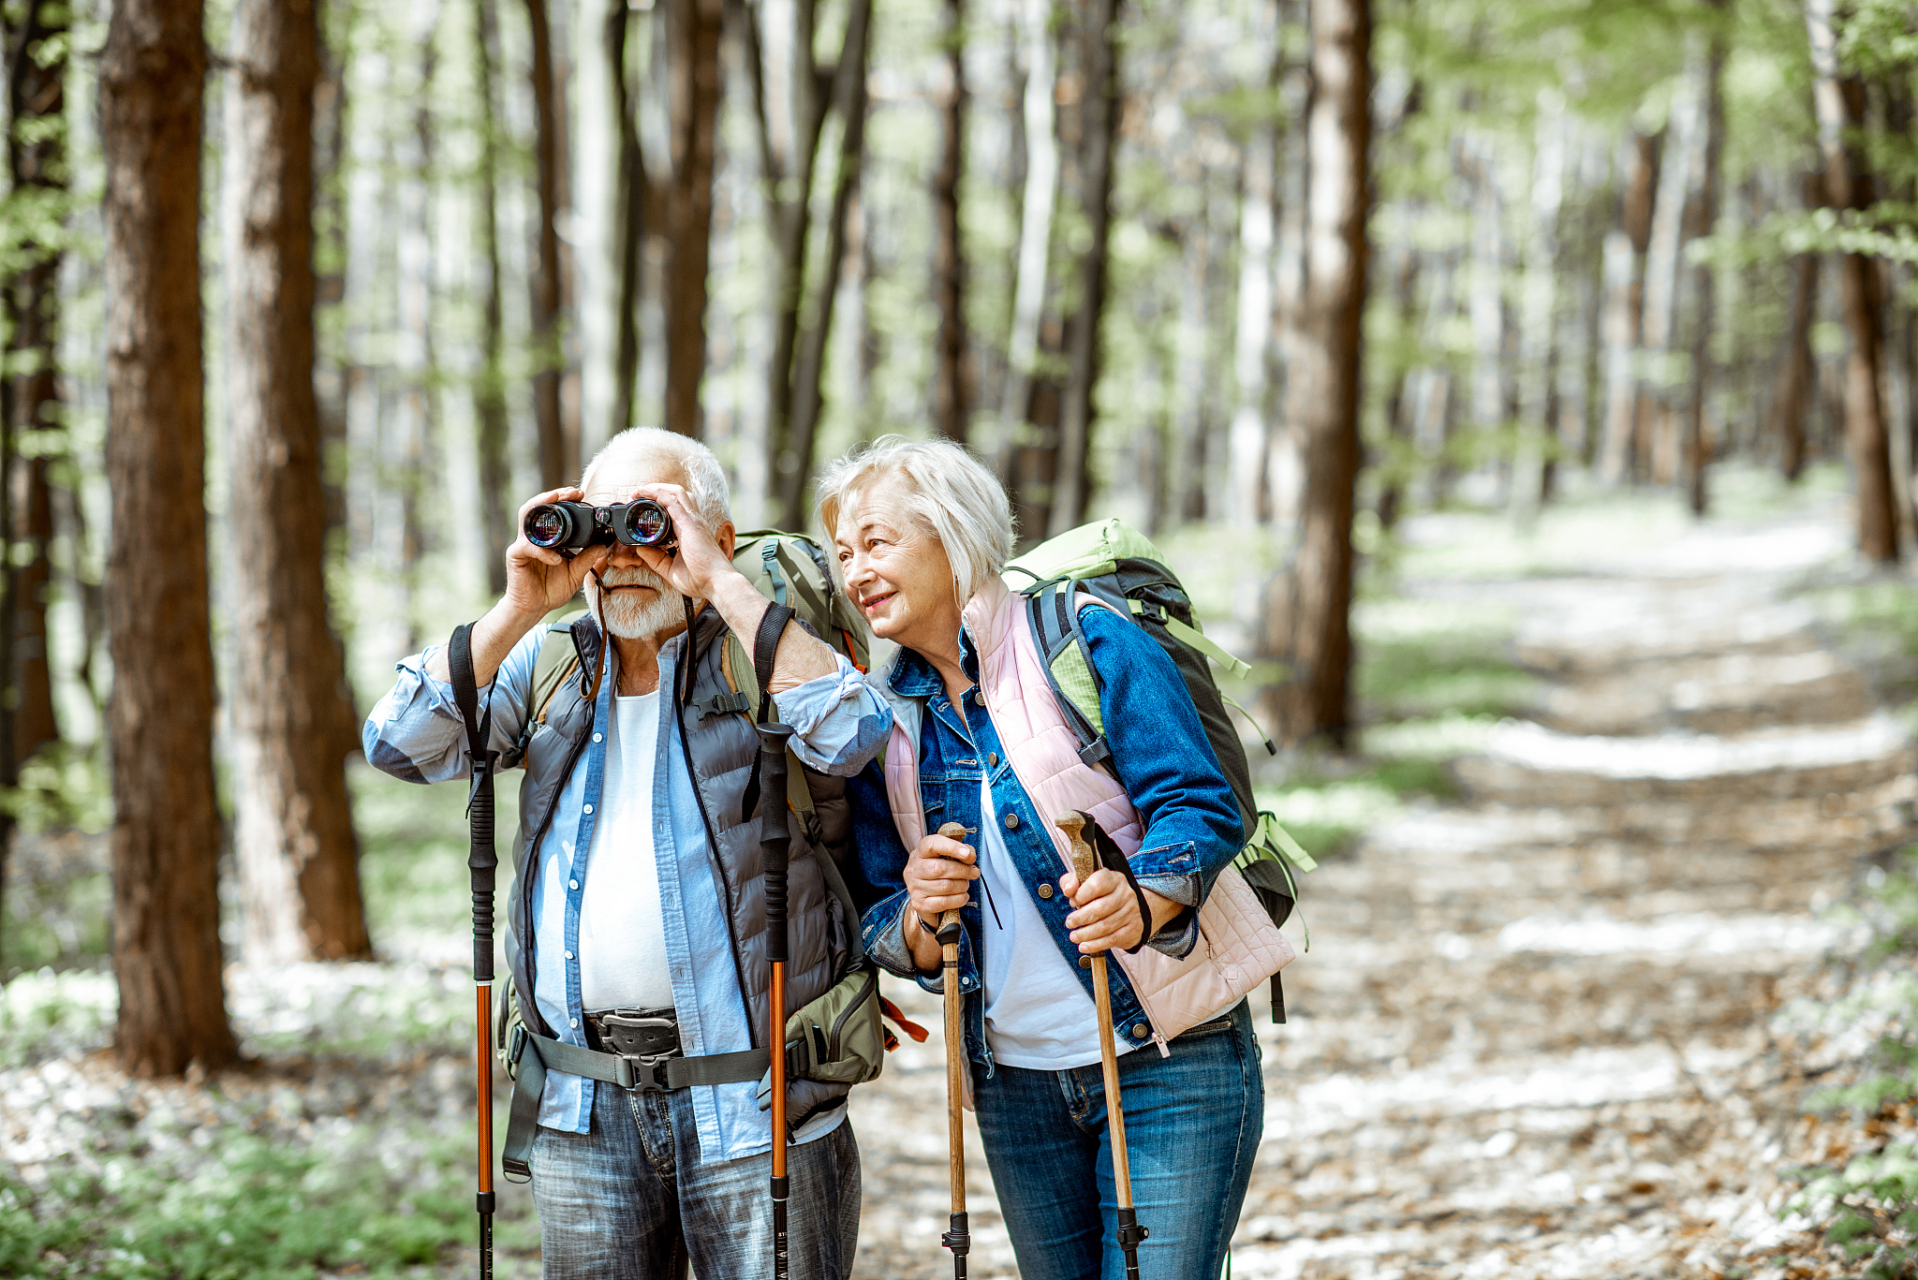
x: 632, y: 1201
x: 1192, y: 1125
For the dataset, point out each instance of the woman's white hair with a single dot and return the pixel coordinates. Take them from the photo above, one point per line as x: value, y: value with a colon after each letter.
x: 705, y: 478
x: 948, y: 492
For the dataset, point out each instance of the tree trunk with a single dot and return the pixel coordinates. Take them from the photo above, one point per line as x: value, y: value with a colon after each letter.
x: 633, y: 213
x: 166, y: 825
x: 1308, y: 618
x: 1193, y: 425
x: 558, y: 454
x: 1696, y: 450
x: 1792, y: 391
x: 1539, y: 312
x: 808, y: 400
x: 36, y: 36
x: 1252, y: 341
x: 1035, y: 234
x: 1625, y: 251
x: 1098, y: 131
x: 293, y: 826
x: 1657, y: 425
x: 950, y: 403
x: 694, y: 83
x: 1840, y: 106
x: 489, y: 393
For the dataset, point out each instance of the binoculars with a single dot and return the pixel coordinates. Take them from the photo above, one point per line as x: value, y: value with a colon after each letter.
x: 571, y: 527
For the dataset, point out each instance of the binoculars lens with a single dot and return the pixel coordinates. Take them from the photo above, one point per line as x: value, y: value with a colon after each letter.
x: 547, y: 526
x: 648, y: 524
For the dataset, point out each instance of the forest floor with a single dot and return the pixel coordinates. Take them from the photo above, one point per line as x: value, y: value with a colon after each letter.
x: 1568, y: 991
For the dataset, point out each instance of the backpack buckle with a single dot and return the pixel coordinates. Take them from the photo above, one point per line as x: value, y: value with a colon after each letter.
x: 642, y: 1074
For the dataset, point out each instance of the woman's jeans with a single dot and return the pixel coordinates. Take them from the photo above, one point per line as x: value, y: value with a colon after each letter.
x: 631, y: 1200
x: 1192, y: 1124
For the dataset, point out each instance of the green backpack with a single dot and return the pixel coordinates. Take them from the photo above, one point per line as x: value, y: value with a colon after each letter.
x: 1119, y: 566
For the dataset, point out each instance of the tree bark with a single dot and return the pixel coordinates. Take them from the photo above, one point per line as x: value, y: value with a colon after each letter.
x: 1098, y: 132
x: 1792, y: 390
x: 1625, y: 251
x: 558, y: 454
x: 293, y: 826
x: 1840, y: 106
x: 950, y: 403
x: 1658, y: 451
x: 166, y: 826
x: 1252, y: 340
x: 489, y: 392
x: 1035, y: 233
x: 1695, y: 453
x: 1309, y: 608
x: 694, y: 83
x: 1538, y: 324
x: 633, y: 213
x: 37, y: 33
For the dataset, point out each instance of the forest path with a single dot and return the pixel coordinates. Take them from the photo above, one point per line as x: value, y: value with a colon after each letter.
x: 1532, y: 1036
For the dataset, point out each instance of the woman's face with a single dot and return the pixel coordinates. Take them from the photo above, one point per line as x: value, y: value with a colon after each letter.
x: 896, y: 573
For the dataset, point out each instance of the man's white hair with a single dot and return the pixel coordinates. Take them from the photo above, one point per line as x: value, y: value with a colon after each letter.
x: 705, y: 479
x: 947, y: 491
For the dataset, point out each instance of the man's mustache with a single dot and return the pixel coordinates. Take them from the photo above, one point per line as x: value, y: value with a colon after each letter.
x: 632, y: 576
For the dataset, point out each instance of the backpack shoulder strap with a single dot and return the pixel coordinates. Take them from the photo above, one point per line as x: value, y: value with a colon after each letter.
x: 1054, y: 617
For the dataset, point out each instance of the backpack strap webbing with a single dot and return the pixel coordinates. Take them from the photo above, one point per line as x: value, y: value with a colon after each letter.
x: 772, y: 625
x: 1070, y: 672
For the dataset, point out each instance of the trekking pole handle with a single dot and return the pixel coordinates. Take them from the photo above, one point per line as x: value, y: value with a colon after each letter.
x: 949, y: 926
x: 774, y: 838
x: 1084, y: 860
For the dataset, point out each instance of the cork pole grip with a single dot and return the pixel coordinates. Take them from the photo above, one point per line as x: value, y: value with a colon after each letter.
x: 1084, y: 863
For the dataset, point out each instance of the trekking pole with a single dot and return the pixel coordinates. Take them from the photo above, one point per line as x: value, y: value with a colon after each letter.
x: 774, y: 840
x: 481, y: 862
x: 1084, y: 863
x: 959, y: 1239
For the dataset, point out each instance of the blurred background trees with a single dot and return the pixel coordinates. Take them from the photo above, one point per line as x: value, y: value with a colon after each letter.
x: 1294, y: 267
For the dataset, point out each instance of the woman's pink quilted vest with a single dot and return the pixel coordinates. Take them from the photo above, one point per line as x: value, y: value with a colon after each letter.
x: 1238, y: 946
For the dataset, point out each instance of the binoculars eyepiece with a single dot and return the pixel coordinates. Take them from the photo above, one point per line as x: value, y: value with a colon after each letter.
x: 571, y: 527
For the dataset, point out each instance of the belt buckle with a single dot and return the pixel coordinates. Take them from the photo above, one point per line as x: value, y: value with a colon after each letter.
x: 640, y: 1073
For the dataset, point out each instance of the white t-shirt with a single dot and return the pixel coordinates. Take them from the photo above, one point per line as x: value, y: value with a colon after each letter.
x: 1037, y: 1015
x: 622, y: 931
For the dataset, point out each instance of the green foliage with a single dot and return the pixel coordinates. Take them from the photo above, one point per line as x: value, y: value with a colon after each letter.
x: 259, y: 1210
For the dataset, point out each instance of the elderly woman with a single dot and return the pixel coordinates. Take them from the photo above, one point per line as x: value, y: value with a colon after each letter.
x: 922, y: 532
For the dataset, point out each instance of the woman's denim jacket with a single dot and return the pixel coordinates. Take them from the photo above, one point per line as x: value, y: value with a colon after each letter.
x: 1162, y: 758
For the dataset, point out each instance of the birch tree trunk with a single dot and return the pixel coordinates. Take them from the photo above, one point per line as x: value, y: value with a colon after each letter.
x: 1099, y: 127
x: 166, y: 824
x: 37, y: 35
x: 1624, y: 309
x: 1657, y: 423
x: 1308, y: 609
x: 1696, y: 450
x: 293, y: 827
x: 1539, y: 311
x: 1035, y: 230
x: 1253, y: 338
x: 1840, y: 107
x: 950, y: 402
x: 558, y: 448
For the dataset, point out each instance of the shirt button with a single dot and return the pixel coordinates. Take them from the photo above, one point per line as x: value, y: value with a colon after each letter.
x: 569, y: 955
x: 573, y: 1022
x: 1045, y: 891
x: 572, y: 884
x: 1085, y: 962
x: 596, y: 737
x: 1140, y: 1031
x: 589, y: 808
x: 1012, y: 822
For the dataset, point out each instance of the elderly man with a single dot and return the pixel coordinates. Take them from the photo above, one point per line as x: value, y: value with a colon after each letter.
x: 630, y: 912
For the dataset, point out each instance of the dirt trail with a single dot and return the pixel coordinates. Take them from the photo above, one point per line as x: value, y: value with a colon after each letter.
x: 1531, y: 1037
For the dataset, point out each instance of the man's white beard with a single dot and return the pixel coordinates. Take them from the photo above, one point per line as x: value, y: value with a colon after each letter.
x: 633, y: 615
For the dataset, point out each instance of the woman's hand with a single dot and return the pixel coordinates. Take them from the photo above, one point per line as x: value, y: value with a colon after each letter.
x: 938, y: 877
x: 1107, y: 914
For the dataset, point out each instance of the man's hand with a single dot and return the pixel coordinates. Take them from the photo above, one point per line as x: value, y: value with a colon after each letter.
x: 539, y: 580
x: 938, y: 875
x: 1107, y: 912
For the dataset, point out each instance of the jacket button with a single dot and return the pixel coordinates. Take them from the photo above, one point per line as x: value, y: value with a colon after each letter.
x: 1045, y: 891
x: 1140, y: 1031
x: 1085, y: 962
x: 1012, y: 822
x: 992, y: 759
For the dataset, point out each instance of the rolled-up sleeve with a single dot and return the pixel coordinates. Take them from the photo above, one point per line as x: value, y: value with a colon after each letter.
x: 839, y: 722
x: 416, y: 734
x: 1166, y: 764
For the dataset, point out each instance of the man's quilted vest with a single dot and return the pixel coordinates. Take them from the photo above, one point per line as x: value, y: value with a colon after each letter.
x: 721, y: 746
x: 1238, y: 947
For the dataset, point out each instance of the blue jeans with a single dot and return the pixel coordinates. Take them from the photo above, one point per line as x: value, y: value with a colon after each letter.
x: 632, y: 1201
x: 1192, y: 1126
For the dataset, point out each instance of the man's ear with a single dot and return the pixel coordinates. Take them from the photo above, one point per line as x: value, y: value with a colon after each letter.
x: 727, y: 538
